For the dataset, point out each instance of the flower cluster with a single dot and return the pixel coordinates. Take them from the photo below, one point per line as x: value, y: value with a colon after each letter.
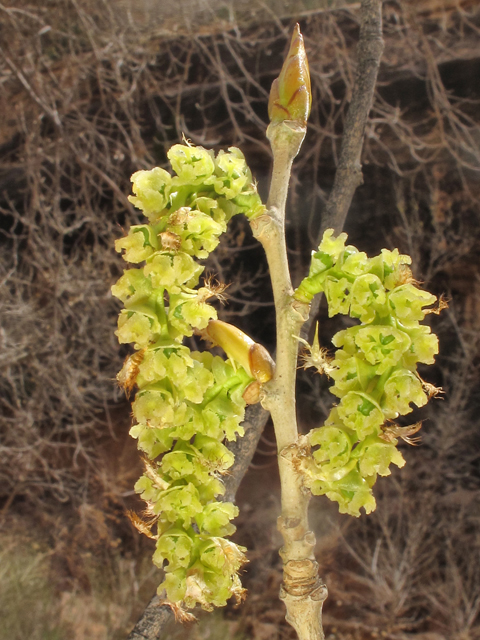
x: 374, y: 368
x: 187, y: 402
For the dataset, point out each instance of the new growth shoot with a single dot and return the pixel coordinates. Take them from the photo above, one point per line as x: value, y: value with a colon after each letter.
x: 188, y: 404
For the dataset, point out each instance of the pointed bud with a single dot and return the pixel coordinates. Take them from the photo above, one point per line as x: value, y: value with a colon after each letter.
x: 254, y: 358
x: 261, y: 364
x: 291, y: 93
x: 251, y: 395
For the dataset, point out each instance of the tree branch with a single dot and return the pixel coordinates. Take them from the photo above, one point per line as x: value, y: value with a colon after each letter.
x: 347, y: 178
x: 349, y: 171
x: 302, y: 591
x: 153, y: 621
x: 349, y: 174
x: 244, y: 448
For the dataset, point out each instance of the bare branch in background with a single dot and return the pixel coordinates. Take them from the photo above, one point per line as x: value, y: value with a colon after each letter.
x: 348, y: 175
x: 125, y: 82
x: 153, y: 621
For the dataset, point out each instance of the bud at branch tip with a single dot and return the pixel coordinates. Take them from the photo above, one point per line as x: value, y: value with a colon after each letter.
x: 291, y: 93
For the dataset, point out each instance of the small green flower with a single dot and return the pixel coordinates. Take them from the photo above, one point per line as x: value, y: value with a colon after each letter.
x: 352, y: 493
x: 172, y: 360
x: 173, y: 271
x: 193, y: 165
x: 335, y: 446
x: 132, y: 286
x: 354, y: 263
x: 198, y: 232
x: 376, y: 456
x: 190, y: 312
x: 345, y: 373
x: 402, y: 388
x: 156, y: 405
x: 140, y: 243
x: 180, y: 503
x: 360, y: 412
x: 424, y: 346
x: 393, y: 267
x: 382, y: 346
x: 332, y: 246
x: 337, y: 293
x: 151, y: 189
x: 176, y: 546
x: 407, y: 302
x: 368, y: 298
x: 151, y: 440
x: 175, y: 584
x: 232, y: 174
x: 136, y: 327
x: 215, y: 519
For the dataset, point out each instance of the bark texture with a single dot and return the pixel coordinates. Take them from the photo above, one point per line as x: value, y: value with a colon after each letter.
x: 153, y: 621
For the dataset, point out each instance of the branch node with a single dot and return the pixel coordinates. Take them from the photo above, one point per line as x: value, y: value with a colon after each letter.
x: 264, y: 224
x: 300, y: 309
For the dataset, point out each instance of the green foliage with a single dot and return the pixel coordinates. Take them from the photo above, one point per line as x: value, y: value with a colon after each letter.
x: 187, y: 402
x: 374, y: 369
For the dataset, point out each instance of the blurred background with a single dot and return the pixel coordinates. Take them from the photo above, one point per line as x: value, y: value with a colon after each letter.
x: 91, y: 92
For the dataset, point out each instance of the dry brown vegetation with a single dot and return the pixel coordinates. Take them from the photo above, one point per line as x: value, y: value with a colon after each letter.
x: 89, y: 93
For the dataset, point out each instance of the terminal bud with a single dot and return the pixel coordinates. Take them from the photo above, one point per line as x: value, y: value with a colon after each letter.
x: 291, y: 93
